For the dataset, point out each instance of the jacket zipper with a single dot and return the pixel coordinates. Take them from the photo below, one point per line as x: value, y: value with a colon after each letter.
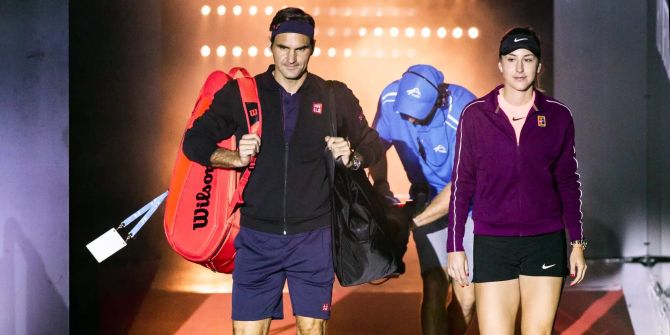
x: 286, y: 147
x: 518, y: 157
x: 518, y: 173
x: 518, y: 162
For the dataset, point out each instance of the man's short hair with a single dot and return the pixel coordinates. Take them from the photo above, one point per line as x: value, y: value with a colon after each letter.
x: 291, y: 14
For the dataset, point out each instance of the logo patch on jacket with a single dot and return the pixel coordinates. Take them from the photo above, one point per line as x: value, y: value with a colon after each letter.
x: 541, y: 121
x: 317, y: 107
x: 440, y: 148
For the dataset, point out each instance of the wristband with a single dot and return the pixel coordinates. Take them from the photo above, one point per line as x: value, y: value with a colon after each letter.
x: 580, y: 243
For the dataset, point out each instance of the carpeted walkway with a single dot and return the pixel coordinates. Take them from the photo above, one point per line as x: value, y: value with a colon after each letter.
x: 187, y: 299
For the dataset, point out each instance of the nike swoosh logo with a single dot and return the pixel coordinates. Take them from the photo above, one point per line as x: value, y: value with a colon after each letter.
x: 520, y: 39
x: 517, y: 119
x: 544, y: 267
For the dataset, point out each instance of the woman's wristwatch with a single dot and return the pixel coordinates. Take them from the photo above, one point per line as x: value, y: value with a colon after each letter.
x: 581, y: 243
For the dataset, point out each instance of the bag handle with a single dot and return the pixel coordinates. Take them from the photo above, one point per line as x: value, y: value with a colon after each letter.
x: 254, y: 116
x: 332, y: 111
x: 234, y: 71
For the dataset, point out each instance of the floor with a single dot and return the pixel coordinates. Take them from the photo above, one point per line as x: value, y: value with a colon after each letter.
x: 184, y: 298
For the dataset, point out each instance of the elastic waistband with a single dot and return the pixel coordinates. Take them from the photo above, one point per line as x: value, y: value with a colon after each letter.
x: 539, y: 227
x: 293, y: 226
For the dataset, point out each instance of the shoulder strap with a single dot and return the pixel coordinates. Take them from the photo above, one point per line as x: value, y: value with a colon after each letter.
x: 330, y: 85
x: 332, y: 111
x: 252, y: 111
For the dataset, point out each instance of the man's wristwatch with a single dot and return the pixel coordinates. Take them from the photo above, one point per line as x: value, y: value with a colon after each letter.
x: 581, y: 243
x: 355, y: 161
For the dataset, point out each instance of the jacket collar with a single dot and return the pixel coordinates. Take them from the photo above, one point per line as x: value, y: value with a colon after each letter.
x: 491, y: 100
x: 267, y: 80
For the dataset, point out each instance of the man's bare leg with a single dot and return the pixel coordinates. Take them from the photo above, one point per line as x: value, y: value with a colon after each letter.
x: 310, y: 326
x: 434, y: 303
x: 260, y: 327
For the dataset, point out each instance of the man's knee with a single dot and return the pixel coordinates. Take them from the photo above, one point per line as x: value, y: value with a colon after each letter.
x: 435, y: 280
x: 259, y: 327
x: 310, y: 326
x: 435, y: 287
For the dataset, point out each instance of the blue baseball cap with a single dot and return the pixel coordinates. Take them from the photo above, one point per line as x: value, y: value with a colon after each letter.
x: 417, y: 91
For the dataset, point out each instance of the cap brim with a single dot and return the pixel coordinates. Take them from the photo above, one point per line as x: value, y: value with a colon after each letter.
x: 413, y: 108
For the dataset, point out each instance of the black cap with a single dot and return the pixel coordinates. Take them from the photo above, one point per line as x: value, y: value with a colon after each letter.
x: 520, y: 38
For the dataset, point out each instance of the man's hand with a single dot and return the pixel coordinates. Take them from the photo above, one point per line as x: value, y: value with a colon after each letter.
x: 249, y: 146
x: 458, y: 267
x: 340, y: 148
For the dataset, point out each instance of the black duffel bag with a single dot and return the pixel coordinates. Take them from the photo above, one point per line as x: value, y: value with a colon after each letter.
x: 362, y: 251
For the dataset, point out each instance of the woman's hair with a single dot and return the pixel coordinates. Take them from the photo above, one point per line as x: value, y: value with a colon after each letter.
x: 291, y: 14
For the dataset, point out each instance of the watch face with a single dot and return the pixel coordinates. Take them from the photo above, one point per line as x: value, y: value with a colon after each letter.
x: 356, y: 160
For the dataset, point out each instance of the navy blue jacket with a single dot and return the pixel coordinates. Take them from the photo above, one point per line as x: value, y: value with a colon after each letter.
x: 288, y: 191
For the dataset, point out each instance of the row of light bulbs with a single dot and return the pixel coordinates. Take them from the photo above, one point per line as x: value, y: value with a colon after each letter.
x: 409, y: 32
x: 253, y: 51
x: 237, y: 10
x: 425, y: 32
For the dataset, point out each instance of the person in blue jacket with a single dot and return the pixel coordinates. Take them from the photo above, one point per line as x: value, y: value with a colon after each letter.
x: 418, y: 115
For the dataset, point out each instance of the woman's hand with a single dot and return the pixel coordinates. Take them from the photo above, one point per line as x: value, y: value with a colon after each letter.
x: 577, y: 264
x: 458, y: 267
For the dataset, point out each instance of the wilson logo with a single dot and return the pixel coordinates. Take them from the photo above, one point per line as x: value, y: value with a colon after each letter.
x: 201, y: 213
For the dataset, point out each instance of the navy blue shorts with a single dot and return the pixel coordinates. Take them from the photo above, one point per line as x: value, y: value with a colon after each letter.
x: 264, y: 262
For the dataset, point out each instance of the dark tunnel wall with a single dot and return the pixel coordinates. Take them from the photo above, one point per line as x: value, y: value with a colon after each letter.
x: 610, y: 72
x: 658, y: 135
x: 600, y: 60
x: 115, y: 104
x: 34, y: 280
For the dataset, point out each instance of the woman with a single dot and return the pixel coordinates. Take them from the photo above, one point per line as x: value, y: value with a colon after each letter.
x: 516, y: 165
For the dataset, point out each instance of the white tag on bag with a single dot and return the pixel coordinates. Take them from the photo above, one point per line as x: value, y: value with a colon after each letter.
x: 111, y: 241
x: 106, y: 245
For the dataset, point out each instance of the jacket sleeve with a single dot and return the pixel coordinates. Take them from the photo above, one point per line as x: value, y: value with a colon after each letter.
x: 351, y: 123
x: 382, y: 127
x: 569, y: 188
x: 214, y: 125
x: 462, y: 183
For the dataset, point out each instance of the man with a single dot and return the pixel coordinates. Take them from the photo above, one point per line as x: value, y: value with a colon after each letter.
x: 285, y: 225
x: 418, y: 115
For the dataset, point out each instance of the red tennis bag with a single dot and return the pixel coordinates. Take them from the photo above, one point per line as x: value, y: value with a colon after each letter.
x: 202, y: 209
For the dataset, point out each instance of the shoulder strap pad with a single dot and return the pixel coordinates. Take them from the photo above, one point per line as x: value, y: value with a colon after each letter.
x: 254, y: 116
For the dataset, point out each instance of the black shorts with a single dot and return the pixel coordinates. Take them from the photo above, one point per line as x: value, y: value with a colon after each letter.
x: 498, y: 258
